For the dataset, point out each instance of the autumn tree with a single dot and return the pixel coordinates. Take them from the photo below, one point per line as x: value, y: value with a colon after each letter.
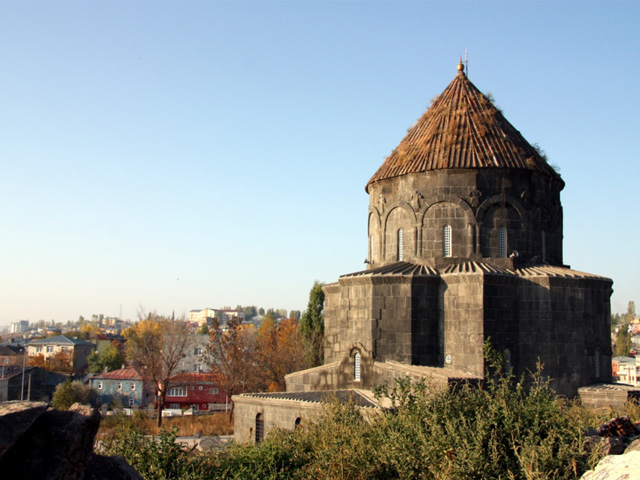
x: 157, y: 346
x: 231, y: 356
x: 111, y: 358
x: 279, y: 351
x: 312, y: 326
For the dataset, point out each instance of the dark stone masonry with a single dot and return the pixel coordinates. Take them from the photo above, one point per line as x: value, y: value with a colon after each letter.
x: 465, y: 229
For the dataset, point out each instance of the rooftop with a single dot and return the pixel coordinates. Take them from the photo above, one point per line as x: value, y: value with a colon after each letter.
x: 462, y: 130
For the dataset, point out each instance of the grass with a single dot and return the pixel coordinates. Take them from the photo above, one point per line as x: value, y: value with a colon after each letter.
x: 187, y: 426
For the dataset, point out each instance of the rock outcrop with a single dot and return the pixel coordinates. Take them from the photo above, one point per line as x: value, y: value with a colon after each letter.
x: 620, y: 442
x: 37, y: 443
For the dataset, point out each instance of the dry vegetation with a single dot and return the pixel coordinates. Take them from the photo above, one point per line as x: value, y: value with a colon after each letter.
x: 187, y: 426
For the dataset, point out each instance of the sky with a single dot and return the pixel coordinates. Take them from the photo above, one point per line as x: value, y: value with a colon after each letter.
x: 171, y: 156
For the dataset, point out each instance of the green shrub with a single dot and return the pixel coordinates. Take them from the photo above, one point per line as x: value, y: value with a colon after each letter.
x: 507, y: 428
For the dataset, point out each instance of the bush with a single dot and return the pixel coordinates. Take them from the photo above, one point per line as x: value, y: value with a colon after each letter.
x: 68, y: 393
x: 507, y: 428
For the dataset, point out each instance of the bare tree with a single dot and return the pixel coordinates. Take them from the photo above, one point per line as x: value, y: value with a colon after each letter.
x: 230, y: 355
x: 157, y: 345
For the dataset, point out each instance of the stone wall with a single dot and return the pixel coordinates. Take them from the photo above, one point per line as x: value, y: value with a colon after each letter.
x: 275, y: 413
x: 475, y: 203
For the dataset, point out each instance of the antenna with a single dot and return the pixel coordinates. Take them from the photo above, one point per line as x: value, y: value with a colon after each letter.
x: 466, y: 61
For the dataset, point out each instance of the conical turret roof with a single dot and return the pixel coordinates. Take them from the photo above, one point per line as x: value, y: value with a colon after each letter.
x: 462, y: 130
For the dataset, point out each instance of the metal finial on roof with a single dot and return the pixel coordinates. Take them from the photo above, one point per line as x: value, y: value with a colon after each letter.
x: 461, y: 66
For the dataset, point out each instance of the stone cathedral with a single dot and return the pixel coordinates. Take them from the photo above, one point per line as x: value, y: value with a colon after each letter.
x: 464, y: 244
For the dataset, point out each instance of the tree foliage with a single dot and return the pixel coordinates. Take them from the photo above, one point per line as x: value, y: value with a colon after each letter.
x: 279, y: 351
x: 623, y: 341
x: 70, y: 392
x: 110, y: 359
x: 312, y: 326
x: 157, y: 346
x: 231, y: 356
x: 60, y: 361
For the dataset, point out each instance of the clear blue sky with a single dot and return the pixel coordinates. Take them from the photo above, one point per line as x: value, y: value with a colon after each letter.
x: 182, y: 155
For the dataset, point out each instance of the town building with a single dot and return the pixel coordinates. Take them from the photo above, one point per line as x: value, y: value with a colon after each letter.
x: 626, y: 370
x: 125, y: 387
x: 465, y: 229
x: 21, y: 326
x: 78, y: 350
x: 199, y: 391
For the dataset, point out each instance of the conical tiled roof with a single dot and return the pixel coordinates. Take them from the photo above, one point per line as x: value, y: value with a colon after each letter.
x: 461, y: 130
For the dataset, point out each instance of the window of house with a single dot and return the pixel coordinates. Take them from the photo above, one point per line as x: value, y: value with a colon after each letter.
x: 49, y: 348
x: 502, y: 242
x: 38, y: 349
x: 197, y: 351
x: 175, y: 406
x: 195, y: 406
x: 133, y: 386
x: 213, y: 391
x: 199, y: 387
x: 259, y: 428
x: 177, y: 392
x: 356, y: 367
x: 400, y: 245
x: 446, y: 241
x: 99, y: 385
x: 132, y: 401
x: 64, y: 349
x: 543, y: 240
x: 119, y: 385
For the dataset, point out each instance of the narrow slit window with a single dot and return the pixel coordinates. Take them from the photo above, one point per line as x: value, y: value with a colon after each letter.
x: 446, y: 241
x: 543, y: 240
x: 400, y: 245
x: 371, y: 249
x: 502, y: 242
x: 356, y: 367
x: 259, y: 428
x: 596, y: 363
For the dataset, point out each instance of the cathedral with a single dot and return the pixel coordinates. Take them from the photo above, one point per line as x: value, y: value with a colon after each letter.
x: 465, y: 233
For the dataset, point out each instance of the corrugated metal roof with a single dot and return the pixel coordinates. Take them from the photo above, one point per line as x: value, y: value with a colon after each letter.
x: 128, y: 373
x: 60, y: 340
x: 461, y: 130
x: 342, y: 396
x: 397, y: 268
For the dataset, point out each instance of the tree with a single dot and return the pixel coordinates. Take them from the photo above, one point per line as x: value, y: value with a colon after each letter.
x: 157, y: 346
x: 203, y: 329
x: 110, y: 359
x: 295, y: 314
x: 623, y: 341
x: 261, y: 311
x: 279, y: 351
x: 312, y: 326
x: 231, y: 356
x: 68, y: 393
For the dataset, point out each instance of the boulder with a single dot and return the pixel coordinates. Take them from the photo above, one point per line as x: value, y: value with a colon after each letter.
x: 41, y: 444
x: 616, y: 467
x: 15, y: 419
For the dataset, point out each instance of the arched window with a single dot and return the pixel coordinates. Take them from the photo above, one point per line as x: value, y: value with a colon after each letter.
x: 502, y: 242
x: 297, y: 423
x: 400, y: 245
x: 446, y: 241
x: 259, y: 428
x: 356, y: 367
x: 543, y: 240
x: 370, y: 248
